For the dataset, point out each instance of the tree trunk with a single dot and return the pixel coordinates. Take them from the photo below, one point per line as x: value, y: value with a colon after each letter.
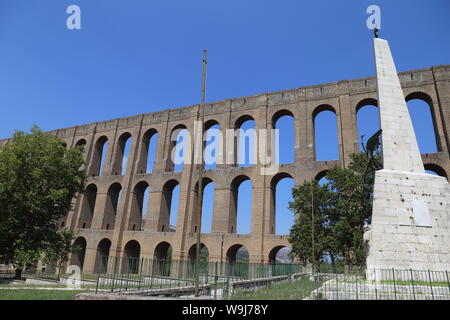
x: 332, y: 262
x: 18, y: 275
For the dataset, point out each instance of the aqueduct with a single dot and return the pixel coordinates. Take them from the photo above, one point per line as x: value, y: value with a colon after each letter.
x: 108, y: 217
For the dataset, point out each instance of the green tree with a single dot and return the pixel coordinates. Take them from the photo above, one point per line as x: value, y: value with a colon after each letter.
x: 313, y: 212
x: 352, y: 195
x: 57, y: 250
x: 342, y: 207
x: 39, y: 177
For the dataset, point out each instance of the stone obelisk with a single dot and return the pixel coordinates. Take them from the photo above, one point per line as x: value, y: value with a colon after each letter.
x: 410, y: 226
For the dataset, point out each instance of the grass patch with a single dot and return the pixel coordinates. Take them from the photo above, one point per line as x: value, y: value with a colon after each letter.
x: 30, y: 294
x: 295, y: 290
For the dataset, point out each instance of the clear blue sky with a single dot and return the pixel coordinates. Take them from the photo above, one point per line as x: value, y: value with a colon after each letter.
x: 140, y: 56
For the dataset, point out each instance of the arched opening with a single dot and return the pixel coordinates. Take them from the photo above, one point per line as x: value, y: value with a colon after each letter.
x: 81, y: 143
x: 122, y: 154
x: 148, y: 153
x: 163, y: 259
x: 367, y: 120
x: 432, y: 168
x: 79, y: 252
x: 99, y: 156
x: 325, y: 133
x: 282, y: 218
x: 112, y: 205
x: 139, y: 206
x: 238, y: 253
x: 207, y: 206
x: 88, y: 206
x: 241, y: 205
x: 280, y: 254
x: 169, y: 206
x: 321, y: 177
x: 245, y: 135
x: 204, y: 258
x: 283, y: 121
x: 204, y: 253
x: 280, y: 261
x: 132, y: 253
x: 212, y: 145
x: 238, y: 261
x: 101, y: 264
x: 163, y: 251
x: 180, y: 143
x: 424, y: 122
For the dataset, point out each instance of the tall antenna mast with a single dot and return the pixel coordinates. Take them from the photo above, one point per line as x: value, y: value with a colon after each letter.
x: 200, y: 182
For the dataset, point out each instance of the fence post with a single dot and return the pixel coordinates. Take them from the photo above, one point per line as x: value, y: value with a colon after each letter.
x: 337, y: 288
x: 395, y: 289
x: 215, y: 280
x: 412, y: 283
x: 114, y: 274
x: 356, y: 276
x: 96, y: 287
x: 431, y: 285
x: 448, y: 282
x: 128, y: 270
x: 140, y: 273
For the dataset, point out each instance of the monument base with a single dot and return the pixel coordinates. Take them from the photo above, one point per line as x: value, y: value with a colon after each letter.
x: 410, y: 226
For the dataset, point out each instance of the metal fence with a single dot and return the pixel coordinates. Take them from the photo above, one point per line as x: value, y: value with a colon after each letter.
x: 123, y: 274
x: 385, y: 284
x: 224, y: 280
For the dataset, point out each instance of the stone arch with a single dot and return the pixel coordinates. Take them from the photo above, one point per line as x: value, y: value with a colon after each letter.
x: 180, y: 140
x: 112, y: 204
x: 138, y: 206
x: 81, y: 143
x: 367, y: 120
x: 233, y: 256
x: 239, y: 121
x: 99, y: 156
x: 425, y: 98
x: 204, y: 252
x: 88, y: 206
x: 167, y: 210
x: 206, y: 183
x: 284, y: 121
x: 241, y: 148
x: 102, y: 256
x: 163, y: 251
x: 122, y: 154
x: 274, y: 209
x: 210, y: 123
x: 274, y: 252
x: 436, y: 169
x: 204, y: 258
x: 322, y: 148
x: 322, y: 108
x: 79, y: 253
x: 320, y: 175
x: 235, y: 199
x: 162, y: 259
x: 366, y: 102
x: 132, y: 252
x: 238, y: 261
x: 148, y: 151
